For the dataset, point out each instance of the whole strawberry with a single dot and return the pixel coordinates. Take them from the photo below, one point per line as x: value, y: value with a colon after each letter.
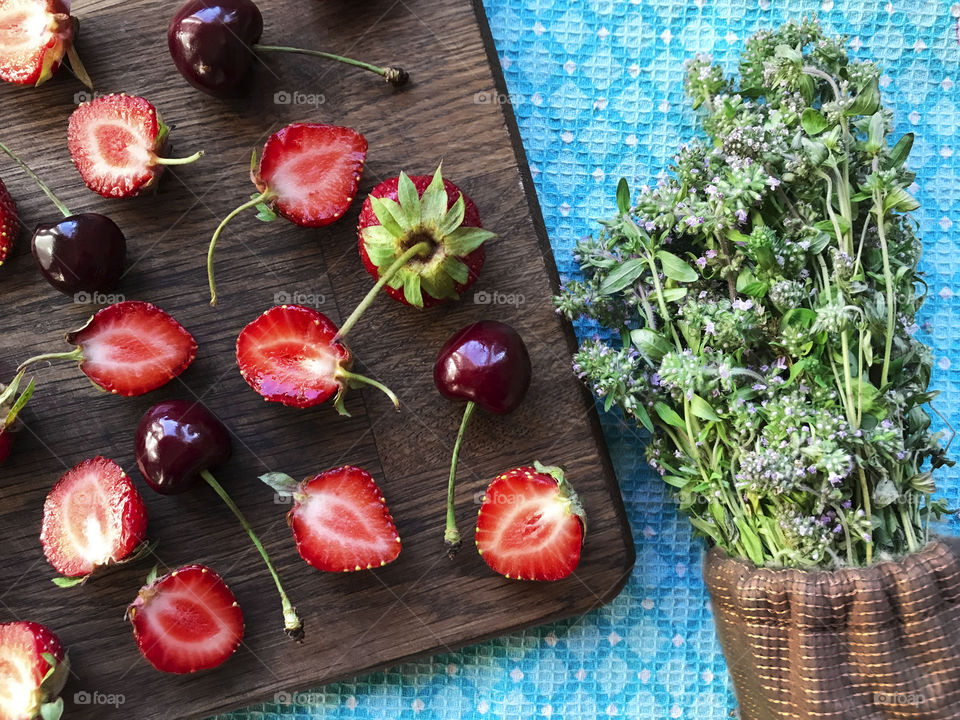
x: 10, y: 406
x: 432, y: 215
x: 531, y: 524
x: 339, y: 519
x: 9, y: 223
x: 34, y: 37
x: 33, y: 670
x: 116, y: 142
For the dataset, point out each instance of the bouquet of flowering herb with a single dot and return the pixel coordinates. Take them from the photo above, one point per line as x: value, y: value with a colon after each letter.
x: 763, y: 295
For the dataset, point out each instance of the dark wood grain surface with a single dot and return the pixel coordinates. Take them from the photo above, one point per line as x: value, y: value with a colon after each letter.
x: 423, y: 602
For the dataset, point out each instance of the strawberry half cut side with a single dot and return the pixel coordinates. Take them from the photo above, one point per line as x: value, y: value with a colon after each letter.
x: 34, y: 37
x: 531, y: 524
x: 92, y: 517
x: 308, y: 173
x: 292, y: 354
x: 186, y: 621
x: 33, y: 670
x: 129, y: 348
x: 433, y: 215
x: 116, y: 142
x: 339, y: 519
x: 10, y: 406
x: 9, y: 223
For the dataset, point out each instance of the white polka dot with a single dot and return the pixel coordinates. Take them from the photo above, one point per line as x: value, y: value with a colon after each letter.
x: 945, y: 223
x: 516, y: 674
x: 914, y: 117
x: 547, y: 711
x: 666, y: 36
x: 647, y: 604
x: 946, y: 293
x: 612, y: 710
x: 538, y: 28
x: 551, y: 639
x: 451, y: 669
x: 613, y: 638
x: 482, y: 707
x: 827, y: 5
x: 418, y: 705
x: 644, y: 675
x: 707, y: 676
x: 677, y: 640
x: 944, y: 363
x: 581, y: 675
x: 566, y: 136
x: 676, y: 711
x: 351, y: 703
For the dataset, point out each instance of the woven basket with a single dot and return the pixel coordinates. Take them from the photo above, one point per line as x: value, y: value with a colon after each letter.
x: 876, y: 643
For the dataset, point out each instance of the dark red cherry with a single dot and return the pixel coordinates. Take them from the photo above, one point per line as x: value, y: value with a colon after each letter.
x: 81, y: 253
x: 211, y: 42
x: 486, y: 363
x: 176, y: 441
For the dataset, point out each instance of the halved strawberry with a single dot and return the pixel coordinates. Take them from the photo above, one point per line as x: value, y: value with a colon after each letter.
x: 531, y: 524
x: 10, y: 406
x: 308, y: 173
x: 187, y: 620
x: 404, y: 212
x: 9, y: 223
x: 340, y: 520
x: 33, y: 670
x: 129, y: 348
x: 92, y: 517
x: 34, y: 37
x: 115, y: 142
x: 292, y: 355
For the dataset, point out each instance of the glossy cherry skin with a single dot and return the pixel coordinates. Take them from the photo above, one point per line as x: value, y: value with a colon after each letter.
x: 176, y: 441
x: 81, y: 253
x: 486, y: 362
x: 211, y: 43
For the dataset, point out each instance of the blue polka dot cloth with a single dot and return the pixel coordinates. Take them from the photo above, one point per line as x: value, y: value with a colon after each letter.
x: 597, y: 88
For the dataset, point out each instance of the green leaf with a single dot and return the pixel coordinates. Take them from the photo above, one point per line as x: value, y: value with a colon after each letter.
x: 623, y: 196
x: 751, y: 541
x: 282, y: 484
x: 707, y: 529
x: 19, y: 404
x: 899, y: 200
x: 900, y: 151
x: 152, y: 575
x: 438, y: 285
x: 813, y: 122
x: 433, y: 203
x: 411, y: 290
x: 644, y: 417
x: 389, y: 214
x: 675, y: 268
x: 668, y: 415
x: 674, y: 294
x: 456, y: 269
x: 875, y: 134
x: 827, y: 226
x: 454, y: 217
x: 464, y: 240
x: 409, y: 200
x: 624, y: 275
x: 702, y: 409
x: 52, y: 710
x: 652, y: 344
x: 866, y: 102
x: 675, y: 480
x: 69, y: 582
x: 788, y: 53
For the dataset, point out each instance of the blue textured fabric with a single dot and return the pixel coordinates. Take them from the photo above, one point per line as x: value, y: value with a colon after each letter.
x: 597, y: 89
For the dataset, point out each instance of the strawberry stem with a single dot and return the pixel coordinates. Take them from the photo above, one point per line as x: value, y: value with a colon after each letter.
x: 43, y: 186
x: 354, y: 379
x: 179, y: 161
x: 75, y: 354
x: 396, y: 76
x: 385, y: 277
x: 451, y: 535
x: 291, y: 621
x: 265, y: 196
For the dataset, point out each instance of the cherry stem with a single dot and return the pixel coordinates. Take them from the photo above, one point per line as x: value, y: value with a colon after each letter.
x: 180, y: 161
x: 76, y: 354
x: 77, y: 66
x: 385, y: 277
x: 451, y: 535
x: 364, y: 380
x: 262, y: 197
x: 291, y: 621
x: 394, y: 75
x: 43, y: 186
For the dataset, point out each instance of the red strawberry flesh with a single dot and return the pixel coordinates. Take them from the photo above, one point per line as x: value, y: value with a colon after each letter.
x: 312, y: 171
x: 341, y: 522
x: 92, y: 517
x: 529, y: 526
x: 186, y: 621
x: 114, y: 142
x: 24, y: 685
x: 34, y: 35
x: 9, y: 224
x: 289, y: 355
x: 133, y: 347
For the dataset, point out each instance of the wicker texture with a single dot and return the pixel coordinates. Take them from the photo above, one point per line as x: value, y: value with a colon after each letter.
x: 877, y: 643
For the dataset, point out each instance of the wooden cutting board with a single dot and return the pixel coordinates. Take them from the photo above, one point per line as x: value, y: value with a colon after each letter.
x: 422, y: 603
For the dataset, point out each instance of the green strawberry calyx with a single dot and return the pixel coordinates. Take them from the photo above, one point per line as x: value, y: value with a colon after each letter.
x: 423, y: 221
